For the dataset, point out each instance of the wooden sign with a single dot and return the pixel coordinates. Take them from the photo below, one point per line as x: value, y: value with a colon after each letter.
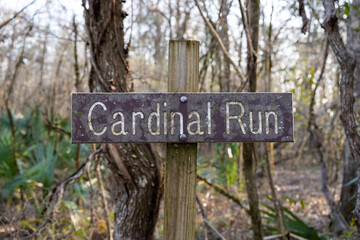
x: 181, y: 117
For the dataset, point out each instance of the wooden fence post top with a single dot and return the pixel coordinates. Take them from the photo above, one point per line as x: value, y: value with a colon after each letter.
x: 183, y: 73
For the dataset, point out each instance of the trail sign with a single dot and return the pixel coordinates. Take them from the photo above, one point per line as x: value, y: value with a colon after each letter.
x: 182, y: 117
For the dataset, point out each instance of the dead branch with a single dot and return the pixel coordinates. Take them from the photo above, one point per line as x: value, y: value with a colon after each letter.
x: 245, y: 21
x: 16, y: 14
x: 280, y: 224
x: 57, y: 193
x: 103, y: 199
x: 57, y: 129
x: 313, y: 94
x: 118, y: 160
x: 154, y: 9
x: 206, y: 221
x: 18, y: 64
x: 218, y: 39
x: 205, y: 64
x: 305, y: 20
x: 220, y: 190
x: 91, y: 196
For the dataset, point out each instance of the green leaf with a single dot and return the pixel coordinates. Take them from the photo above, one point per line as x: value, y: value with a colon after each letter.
x: 346, y: 9
x: 356, y: 8
x: 302, y: 204
x: 293, y: 223
x: 8, y: 167
x: 351, y: 182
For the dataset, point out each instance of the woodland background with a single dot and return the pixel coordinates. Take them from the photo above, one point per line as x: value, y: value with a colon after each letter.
x: 52, y: 189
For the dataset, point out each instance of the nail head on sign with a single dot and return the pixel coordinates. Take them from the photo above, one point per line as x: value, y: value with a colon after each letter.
x: 183, y: 99
x: 183, y: 137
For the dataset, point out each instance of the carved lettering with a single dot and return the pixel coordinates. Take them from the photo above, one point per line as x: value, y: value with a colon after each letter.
x: 157, y: 116
x: 134, y: 114
x: 121, y: 122
x: 236, y: 117
x: 89, y: 118
x: 181, y: 122
x: 267, y: 117
x: 209, y: 117
x: 194, y: 122
x: 259, y: 130
x: 165, y: 120
x: 163, y: 117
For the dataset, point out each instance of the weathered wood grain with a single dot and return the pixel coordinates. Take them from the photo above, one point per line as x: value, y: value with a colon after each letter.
x: 180, y: 174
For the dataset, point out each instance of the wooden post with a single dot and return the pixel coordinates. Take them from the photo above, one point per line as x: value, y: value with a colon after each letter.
x: 180, y: 174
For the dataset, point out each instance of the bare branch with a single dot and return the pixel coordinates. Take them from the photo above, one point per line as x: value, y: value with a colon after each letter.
x: 305, y: 20
x: 57, y: 129
x: 57, y: 193
x: 17, y: 65
x: 16, y: 14
x: 117, y: 158
x: 154, y: 9
x: 103, y: 199
x: 218, y: 39
x: 223, y: 192
x: 206, y: 221
x: 312, y: 102
x: 246, y: 27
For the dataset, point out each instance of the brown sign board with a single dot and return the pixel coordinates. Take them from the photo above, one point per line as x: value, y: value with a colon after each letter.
x: 181, y: 117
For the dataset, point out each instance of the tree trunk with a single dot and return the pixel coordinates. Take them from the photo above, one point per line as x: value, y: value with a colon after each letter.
x: 347, y: 202
x: 224, y: 34
x: 181, y: 26
x: 136, y: 167
x: 253, y: 13
x: 347, y: 64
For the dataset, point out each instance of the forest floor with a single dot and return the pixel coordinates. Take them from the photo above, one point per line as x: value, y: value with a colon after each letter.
x: 298, y: 190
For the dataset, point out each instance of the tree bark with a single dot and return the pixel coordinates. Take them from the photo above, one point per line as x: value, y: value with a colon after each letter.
x: 277, y: 205
x: 347, y: 202
x: 136, y: 167
x: 251, y: 188
x: 347, y: 64
x: 224, y: 34
x: 253, y: 14
x: 347, y: 192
